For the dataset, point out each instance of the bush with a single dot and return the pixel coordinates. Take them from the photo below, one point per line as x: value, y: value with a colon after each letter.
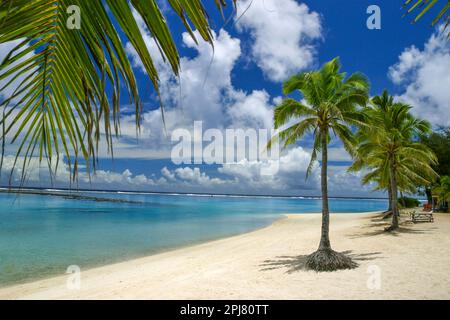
x: 406, y: 202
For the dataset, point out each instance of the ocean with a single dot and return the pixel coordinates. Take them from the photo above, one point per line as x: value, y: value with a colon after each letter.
x: 42, y: 235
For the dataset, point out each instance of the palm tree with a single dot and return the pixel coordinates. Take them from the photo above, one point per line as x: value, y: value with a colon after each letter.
x: 64, y: 74
x: 423, y: 6
x: 442, y: 190
x: 389, y: 148
x: 330, y: 104
x: 405, y: 182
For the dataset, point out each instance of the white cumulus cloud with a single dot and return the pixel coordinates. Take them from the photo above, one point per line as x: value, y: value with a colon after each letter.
x: 283, y: 34
x: 425, y: 78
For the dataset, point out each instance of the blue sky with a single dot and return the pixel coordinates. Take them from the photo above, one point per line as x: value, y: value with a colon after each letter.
x: 344, y: 34
x: 242, y: 84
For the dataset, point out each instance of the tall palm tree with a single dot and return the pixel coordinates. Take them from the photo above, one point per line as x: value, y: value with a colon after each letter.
x: 390, y: 149
x: 330, y: 105
x: 60, y: 76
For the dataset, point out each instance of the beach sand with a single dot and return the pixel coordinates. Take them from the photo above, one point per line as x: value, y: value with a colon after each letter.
x: 413, y: 263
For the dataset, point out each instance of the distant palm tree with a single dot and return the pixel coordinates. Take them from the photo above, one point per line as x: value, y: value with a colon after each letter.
x: 330, y: 105
x: 61, y: 102
x: 442, y: 190
x: 389, y: 148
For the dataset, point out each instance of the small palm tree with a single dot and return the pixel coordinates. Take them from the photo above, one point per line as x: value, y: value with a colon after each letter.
x: 330, y: 105
x: 62, y: 104
x: 389, y: 148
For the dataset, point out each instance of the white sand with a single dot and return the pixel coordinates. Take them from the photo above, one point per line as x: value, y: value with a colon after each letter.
x: 413, y: 264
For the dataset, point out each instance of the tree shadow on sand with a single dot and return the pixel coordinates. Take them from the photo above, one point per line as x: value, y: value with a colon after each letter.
x: 377, y: 226
x: 297, y: 263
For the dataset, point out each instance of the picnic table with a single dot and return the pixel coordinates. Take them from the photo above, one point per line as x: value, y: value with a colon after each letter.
x: 422, y: 217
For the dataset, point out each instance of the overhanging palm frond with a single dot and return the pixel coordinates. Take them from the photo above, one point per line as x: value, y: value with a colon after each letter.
x: 70, y: 83
x: 424, y: 6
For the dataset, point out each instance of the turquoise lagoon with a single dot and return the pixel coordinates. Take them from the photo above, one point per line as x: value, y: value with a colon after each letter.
x: 41, y: 235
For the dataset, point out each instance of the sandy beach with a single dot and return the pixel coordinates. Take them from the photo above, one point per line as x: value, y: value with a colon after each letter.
x: 268, y: 264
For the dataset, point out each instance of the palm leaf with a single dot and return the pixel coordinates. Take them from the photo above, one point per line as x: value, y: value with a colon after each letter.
x: 73, y: 78
x: 424, y: 6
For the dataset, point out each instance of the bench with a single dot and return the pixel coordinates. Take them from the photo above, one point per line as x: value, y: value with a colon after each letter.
x: 422, y: 217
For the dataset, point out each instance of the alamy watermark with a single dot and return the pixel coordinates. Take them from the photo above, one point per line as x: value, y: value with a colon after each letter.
x: 213, y: 146
x: 374, y: 279
x: 374, y: 20
x: 74, y: 17
x: 73, y: 281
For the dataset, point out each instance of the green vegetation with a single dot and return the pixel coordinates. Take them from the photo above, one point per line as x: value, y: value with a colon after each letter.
x: 331, y: 105
x: 406, y: 202
x: 439, y: 142
x: 442, y: 191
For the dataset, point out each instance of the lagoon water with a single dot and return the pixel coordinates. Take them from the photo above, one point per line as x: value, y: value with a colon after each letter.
x: 41, y: 235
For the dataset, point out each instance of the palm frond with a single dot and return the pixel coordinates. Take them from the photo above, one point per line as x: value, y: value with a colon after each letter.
x: 422, y: 7
x: 70, y: 95
x: 290, y: 109
x: 332, y: 104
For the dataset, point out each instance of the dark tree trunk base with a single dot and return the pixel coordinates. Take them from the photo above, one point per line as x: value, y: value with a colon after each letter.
x: 390, y: 228
x: 387, y: 215
x: 329, y: 260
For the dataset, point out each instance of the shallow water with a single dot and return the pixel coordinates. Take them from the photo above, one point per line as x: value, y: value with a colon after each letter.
x: 41, y: 235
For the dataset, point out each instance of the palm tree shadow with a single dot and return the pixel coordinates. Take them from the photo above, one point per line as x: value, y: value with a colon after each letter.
x: 377, y: 227
x: 298, y: 263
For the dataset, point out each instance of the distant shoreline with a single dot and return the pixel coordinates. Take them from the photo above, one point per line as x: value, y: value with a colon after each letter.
x: 51, y: 191
x: 58, y: 193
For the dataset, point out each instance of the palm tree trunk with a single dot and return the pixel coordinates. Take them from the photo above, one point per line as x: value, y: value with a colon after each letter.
x: 429, y: 195
x: 402, y: 199
x: 325, y: 259
x: 394, y: 201
x: 325, y: 235
x: 388, y: 212
x: 390, y: 199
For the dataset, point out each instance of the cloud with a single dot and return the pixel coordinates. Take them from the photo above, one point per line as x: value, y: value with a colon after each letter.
x: 37, y: 174
x: 283, y: 34
x: 242, y: 178
x: 251, y: 110
x: 203, y: 92
x: 343, y: 183
x: 289, y: 175
x: 424, y: 78
x: 195, y: 176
